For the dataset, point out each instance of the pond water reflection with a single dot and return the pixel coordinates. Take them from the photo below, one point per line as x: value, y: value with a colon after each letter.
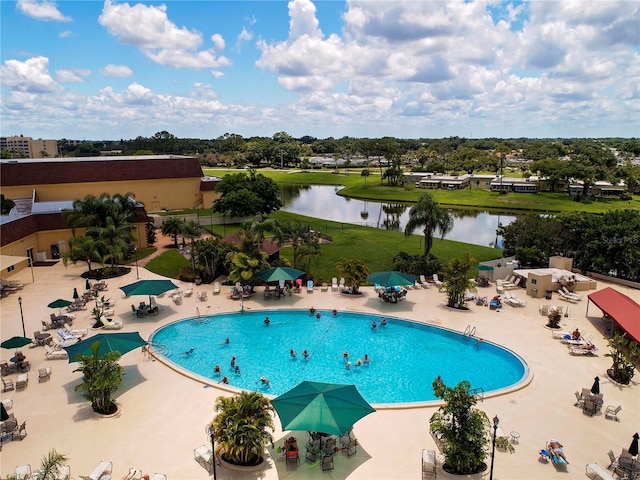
x: 321, y: 201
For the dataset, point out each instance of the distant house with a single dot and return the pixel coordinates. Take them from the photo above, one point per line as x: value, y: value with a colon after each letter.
x: 600, y: 188
x: 518, y: 185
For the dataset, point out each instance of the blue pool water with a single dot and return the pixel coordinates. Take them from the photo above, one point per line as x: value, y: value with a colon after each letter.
x: 405, y: 356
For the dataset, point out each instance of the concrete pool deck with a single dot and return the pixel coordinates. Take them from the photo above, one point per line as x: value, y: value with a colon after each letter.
x: 164, y: 413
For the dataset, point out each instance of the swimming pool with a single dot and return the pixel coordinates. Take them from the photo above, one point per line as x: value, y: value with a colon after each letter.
x: 405, y: 356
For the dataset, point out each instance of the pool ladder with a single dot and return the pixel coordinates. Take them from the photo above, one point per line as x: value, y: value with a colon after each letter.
x: 469, y: 331
x: 478, y: 393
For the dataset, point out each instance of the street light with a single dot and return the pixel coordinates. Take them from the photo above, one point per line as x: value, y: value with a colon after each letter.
x: 135, y: 251
x: 24, y: 333
x: 212, y: 432
x: 496, y: 421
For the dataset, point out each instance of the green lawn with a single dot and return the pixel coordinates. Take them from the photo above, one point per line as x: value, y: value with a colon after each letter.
x: 168, y: 264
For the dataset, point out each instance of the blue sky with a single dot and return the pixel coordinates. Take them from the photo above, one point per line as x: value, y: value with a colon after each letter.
x: 112, y: 69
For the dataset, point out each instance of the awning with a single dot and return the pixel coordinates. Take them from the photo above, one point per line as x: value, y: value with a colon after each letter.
x: 623, y: 310
x: 7, y: 261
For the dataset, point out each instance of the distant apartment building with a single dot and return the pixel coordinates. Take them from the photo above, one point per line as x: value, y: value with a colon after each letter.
x: 27, y: 147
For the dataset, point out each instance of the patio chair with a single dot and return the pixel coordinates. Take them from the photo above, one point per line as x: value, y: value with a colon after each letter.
x: 7, y: 385
x: 51, y: 354
x: 436, y: 280
x: 158, y: 476
x: 579, y: 399
x: 189, y: 290
x: 324, y: 287
x: 351, y: 448
x: 216, y: 288
x: 346, y: 438
x: 309, y: 286
x: 44, y: 374
x: 133, y: 474
x: 22, y: 381
x: 334, y: 284
x: 570, y: 294
x: 613, y: 459
x: 101, y: 472
x: 612, y: 412
x: 202, y: 296
x: 341, y: 286
x: 429, y: 463
x: 583, y: 350
x: 589, y: 407
x: 20, y: 432
x: 75, y: 331
x: 4, y: 368
x: 327, y: 463
x: 293, y: 456
x: 7, y: 403
x: 22, y: 472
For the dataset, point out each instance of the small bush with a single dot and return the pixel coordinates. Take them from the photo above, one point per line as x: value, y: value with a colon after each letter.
x: 187, y: 274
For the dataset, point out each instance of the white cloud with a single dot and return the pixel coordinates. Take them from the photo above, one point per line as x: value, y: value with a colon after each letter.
x: 31, y: 76
x: 111, y: 70
x: 66, y: 34
x: 72, y: 76
x: 42, y: 10
x: 149, y: 29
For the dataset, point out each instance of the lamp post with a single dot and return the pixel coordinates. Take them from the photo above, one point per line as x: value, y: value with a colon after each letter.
x: 212, y: 432
x: 24, y: 333
x: 135, y: 251
x: 496, y: 421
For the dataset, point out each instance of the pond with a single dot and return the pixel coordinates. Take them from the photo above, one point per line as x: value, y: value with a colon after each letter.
x: 321, y: 201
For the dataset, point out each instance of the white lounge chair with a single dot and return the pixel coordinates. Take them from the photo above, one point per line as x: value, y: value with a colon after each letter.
x: 22, y: 381
x: 111, y: 324
x: 133, y: 474
x: 436, y: 280
x: 203, y: 456
x: 612, y: 412
x: 324, y: 287
x: 334, y: 284
x: 423, y: 282
x: 101, y: 472
x: 341, y: 286
x: 581, y: 350
x: 567, y: 298
x: 216, y: 288
x: 51, y: 354
x: 202, y: 296
x: 560, y: 335
x: 75, y: 331
x: 44, y: 373
x: 22, y: 472
x: 570, y: 294
x: 158, y: 476
x: 189, y: 290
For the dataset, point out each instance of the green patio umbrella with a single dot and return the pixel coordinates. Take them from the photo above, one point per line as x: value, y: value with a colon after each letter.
x: 321, y: 407
x: 595, y: 388
x: 15, y: 342
x: 389, y: 279
x: 59, y: 303
x: 109, y: 342
x: 148, y: 287
x: 484, y: 268
x: 276, y: 274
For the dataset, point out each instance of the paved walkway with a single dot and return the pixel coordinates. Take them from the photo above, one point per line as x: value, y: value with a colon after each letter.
x: 163, y: 413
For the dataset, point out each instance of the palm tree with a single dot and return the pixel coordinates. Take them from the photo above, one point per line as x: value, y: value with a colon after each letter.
x: 102, y: 377
x: 192, y: 230
x: 52, y: 467
x: 85, y: 249
x: 244, y: 267
x: 295, y: 232
x: 426, y: 212
x: 210, y: 253
x: 173, y: 226
x: 354, y: 272
x: 241, y: 427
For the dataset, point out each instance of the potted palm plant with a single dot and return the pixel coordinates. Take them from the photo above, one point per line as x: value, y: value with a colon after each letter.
x: 241, y: 429
x: 102, y: 376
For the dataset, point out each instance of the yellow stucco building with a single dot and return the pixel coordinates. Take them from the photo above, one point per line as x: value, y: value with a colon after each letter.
x: 43, y: 188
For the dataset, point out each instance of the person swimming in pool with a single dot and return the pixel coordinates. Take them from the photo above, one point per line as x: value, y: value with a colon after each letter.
x: 345, y: 356
x: 293, y: 354
x: 383, y: 322
x: 224, y: 380
x: 305, y: 355
x: 347, y: 365
x: 267, y: 321
x: 227, y: 341
x: 236, y: 369
x: 359, y: 362
x: 264, y: 381
x: 233, y: 362
x: 189, y: 352
x: 216, y: 370
x: 312, y: 310
x: 366, y: 359
x: 374, y: 325
x: 318, y: 316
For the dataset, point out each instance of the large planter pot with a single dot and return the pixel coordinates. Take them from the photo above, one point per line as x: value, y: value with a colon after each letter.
x: 476, y: 476
x: 241, y: 468
x: 109, y: 415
